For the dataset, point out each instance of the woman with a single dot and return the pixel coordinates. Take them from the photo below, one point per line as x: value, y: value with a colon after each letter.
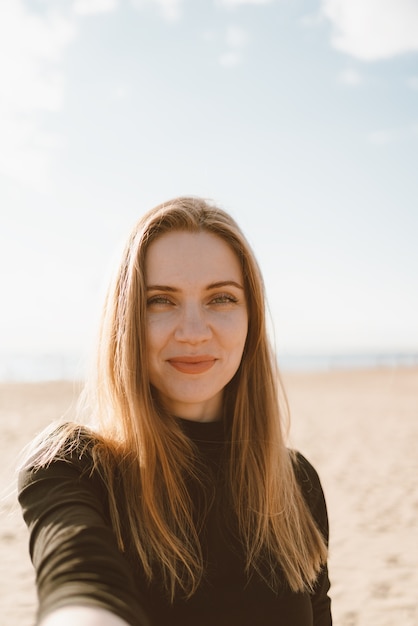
x: 180, y: 504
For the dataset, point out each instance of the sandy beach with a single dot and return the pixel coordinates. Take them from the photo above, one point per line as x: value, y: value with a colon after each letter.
x: 359, y: 428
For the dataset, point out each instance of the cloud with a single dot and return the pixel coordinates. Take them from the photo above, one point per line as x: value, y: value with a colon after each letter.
x: 236, y: 39
x: 31, y: 83
x: 312, y: 20
x: 170, y: 9
x: 230, y: 59
x: 373, y: 29
x: 236, y: 3
x: 350, y: 77
x: 92, y: 7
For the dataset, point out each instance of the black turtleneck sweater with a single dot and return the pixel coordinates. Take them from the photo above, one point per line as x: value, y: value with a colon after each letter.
x: 77, y: 560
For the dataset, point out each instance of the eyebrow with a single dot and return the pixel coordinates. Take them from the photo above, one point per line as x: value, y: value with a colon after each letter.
x: 217, y: 285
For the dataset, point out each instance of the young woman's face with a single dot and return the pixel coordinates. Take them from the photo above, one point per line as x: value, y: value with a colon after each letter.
x: 197, y: 321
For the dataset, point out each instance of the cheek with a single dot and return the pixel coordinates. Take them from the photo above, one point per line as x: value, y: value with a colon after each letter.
x: 154, y: 341
x: 157, y: 329
x: 242, y: 325
x: 244, y: 335
x: 237, y: 334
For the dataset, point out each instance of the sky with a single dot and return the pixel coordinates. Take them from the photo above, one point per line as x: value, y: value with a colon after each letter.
x: 299, y: 117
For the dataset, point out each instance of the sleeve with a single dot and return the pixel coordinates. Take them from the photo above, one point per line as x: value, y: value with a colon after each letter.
x: 314, y: 496
x: 72, y: 545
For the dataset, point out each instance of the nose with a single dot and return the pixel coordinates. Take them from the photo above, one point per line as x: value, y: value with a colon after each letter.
x: 192, y: 325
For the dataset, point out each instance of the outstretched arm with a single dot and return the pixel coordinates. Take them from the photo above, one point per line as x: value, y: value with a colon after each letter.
x: 82, y: 616
x: 79, y: 567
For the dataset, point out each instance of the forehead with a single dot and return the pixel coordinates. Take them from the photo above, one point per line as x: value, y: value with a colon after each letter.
x: 192, y: 257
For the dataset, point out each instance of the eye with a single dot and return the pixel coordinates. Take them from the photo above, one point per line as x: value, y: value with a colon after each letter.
x: 159, y: 301
x: 224, y: 298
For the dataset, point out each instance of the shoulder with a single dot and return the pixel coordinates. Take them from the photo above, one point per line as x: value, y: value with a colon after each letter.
x: 62, y: 475
x: 67, y: 448
x: 311, y: 488
x: 306, y: 474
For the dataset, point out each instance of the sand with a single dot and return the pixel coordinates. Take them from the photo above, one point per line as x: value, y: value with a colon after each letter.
x: 359, y: 429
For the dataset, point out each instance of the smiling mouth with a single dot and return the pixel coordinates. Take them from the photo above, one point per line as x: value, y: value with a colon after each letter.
x: 192, y: 364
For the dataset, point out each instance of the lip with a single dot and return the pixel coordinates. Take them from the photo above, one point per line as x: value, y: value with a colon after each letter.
x: 197, y: 364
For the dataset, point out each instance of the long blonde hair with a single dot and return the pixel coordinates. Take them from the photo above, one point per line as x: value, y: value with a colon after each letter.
x: 153, y: 455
